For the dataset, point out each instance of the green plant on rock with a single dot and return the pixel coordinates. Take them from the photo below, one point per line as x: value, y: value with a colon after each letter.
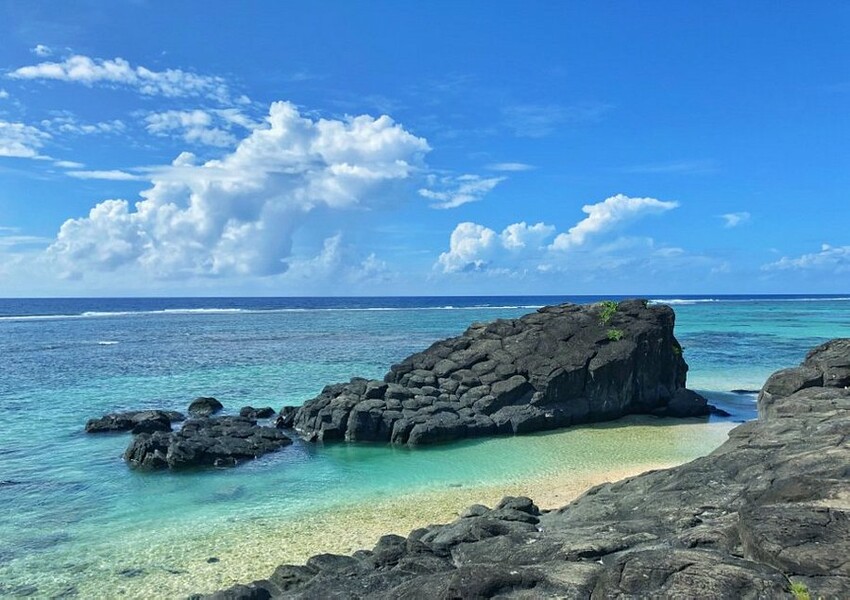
x: 615, y: 334
x: 800, y: 591
x: 609, y: 307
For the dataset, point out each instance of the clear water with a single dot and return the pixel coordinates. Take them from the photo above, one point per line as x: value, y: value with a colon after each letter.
x: 76, y: 520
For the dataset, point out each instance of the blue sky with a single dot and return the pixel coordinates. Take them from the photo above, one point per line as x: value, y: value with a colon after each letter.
x: 382, y: 148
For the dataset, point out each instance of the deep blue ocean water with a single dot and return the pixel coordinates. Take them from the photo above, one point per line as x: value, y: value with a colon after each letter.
x: 76, y: 520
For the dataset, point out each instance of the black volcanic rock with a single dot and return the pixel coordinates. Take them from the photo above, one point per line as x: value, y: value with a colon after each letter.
x: 127, y: 421
x: 204, y: 407
x: 769, y: 508
x: 560, y: 366
x: 256, y: 413
x: 215, y: 441
x: 827, y: 366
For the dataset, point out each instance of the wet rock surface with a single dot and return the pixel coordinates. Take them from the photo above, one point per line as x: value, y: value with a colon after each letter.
x: 214, y: 441
x: 769, y: 508
x: 562, y: 365
x: 204, y: 407
x: 159, y: 420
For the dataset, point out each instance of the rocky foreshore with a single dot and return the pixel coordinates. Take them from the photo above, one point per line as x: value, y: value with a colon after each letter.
x: 562, y: 365
x: 766, y: 515
x: 202, y: 441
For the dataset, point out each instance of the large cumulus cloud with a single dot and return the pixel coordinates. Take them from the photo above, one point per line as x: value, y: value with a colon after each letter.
x: 237, y: 214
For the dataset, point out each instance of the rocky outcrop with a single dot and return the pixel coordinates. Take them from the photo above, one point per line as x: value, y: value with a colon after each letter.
x: 560, y: 366
x: 204, y: 407
x: 136, y: 421
x: 216, y: 441
x: 768, y: 509
x: 827, y: 366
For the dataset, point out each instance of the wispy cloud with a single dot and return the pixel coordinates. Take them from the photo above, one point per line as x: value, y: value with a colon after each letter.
x: 830, y: 258
x: 734, y: 219
x: 457, y: 191
x: 540, y: 120
x: 69, y: 124
x: 205, y: 127
x: 510, y: 167
x: 22, y: 141
x: 684, y: 167
x: 41, y: 50
x: 109, y: 175
x: 16, y: 241
x: 68, y: 164
x: 171, y: 83
x: 3, y: 94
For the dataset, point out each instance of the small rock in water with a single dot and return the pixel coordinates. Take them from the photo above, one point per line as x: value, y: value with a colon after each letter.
x: 256, y: 413
x: 213, y: 559
x: 719, y: 412
x: 204, y: 407
x: 131, y: 572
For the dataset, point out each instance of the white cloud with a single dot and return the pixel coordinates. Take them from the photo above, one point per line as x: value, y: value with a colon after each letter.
x: 13, y: 241
x: 510, y: 166
x: 606, y: 215
x: 458, y: 191
x: 41, y: 50
x: 236, y: 215
x: 171, y: 83
x: 110, y: 175
x: 523, y: 248
x: 3, y: 94
x: 473, y: 247
x: 470, y: 246
x: 206, y: 127
x: 68, y: 164
x: 830, y: 258
x: 520, y: 236
x: 68, y: 124
x: 735, y: 219
x: 21, y: 141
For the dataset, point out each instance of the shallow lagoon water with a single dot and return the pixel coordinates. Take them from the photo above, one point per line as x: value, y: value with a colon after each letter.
x: 77, y: 521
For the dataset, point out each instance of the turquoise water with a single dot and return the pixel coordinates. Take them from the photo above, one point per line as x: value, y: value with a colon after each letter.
x: 76, y: 520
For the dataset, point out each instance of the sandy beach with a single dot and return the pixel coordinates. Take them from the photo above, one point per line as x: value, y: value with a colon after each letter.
x: 257, y: 547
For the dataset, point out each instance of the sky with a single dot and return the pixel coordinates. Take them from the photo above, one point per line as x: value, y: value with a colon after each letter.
x: 424, y: 148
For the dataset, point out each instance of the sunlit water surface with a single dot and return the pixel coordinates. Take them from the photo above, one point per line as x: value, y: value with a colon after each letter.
x: 77, y: 521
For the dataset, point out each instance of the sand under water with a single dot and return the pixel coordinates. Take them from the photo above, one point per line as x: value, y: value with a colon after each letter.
x: 241, y: 538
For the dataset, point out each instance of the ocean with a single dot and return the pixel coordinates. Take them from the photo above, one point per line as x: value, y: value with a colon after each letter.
x: 77, y: 522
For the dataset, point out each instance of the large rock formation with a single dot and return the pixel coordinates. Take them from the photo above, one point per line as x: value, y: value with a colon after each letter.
x: 768, y: 510
x: 560, y: 366
x: 216, y: 441
x: 826, y: 367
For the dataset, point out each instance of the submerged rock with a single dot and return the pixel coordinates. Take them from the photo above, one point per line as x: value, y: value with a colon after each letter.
x: 204, y: 407
x: 130, y: 420
x: 769, y: 508
x: 560, y: 366
x: 216, y: 441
